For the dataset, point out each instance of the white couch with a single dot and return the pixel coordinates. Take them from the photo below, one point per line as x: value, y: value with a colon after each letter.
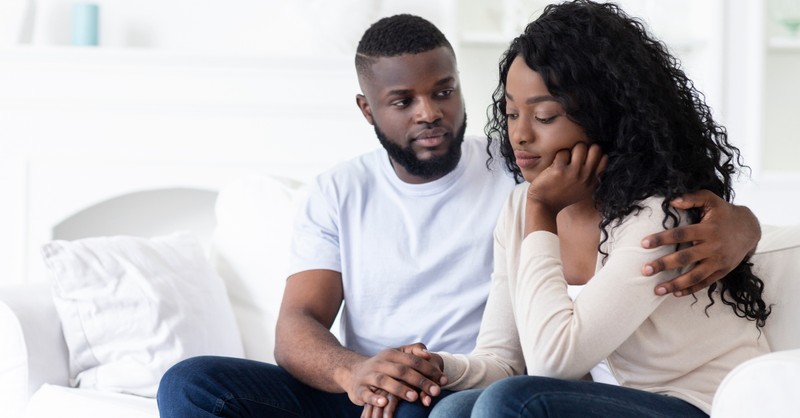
x: 249, y: 250
x: 34, y: 370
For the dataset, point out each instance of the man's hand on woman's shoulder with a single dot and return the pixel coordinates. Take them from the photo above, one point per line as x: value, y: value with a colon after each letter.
x: 725, y: 235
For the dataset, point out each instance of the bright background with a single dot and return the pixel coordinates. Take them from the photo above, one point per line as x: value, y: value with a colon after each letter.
x: 189, y: 94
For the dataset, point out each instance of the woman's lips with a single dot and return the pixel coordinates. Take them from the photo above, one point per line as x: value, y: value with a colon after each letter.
x: 526, y: 160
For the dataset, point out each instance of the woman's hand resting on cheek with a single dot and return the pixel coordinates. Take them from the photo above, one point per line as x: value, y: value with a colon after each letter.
x: 571, y: 178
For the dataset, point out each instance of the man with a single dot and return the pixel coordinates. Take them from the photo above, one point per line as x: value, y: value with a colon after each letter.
x: 402, y: 236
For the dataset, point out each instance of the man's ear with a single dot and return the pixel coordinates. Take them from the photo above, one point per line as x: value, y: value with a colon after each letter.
x: 361, y: 102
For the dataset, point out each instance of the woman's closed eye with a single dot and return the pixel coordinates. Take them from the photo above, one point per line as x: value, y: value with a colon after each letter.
x: 546, y: 120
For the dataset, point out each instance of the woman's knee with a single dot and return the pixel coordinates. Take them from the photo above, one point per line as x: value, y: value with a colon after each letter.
x: 456, y: 405
x: 509, y: 395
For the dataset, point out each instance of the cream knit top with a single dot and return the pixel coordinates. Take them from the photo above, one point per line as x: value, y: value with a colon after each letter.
x: 661, y: 344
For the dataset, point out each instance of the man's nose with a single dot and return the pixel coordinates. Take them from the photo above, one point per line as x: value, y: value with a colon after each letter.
x: 428, y: 111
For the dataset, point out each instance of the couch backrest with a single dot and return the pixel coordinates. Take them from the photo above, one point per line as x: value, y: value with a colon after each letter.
x: 250, y: 250
x: 777, y: 262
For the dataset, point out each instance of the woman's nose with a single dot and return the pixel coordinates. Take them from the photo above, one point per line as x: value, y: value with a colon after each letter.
x: 519, y: 131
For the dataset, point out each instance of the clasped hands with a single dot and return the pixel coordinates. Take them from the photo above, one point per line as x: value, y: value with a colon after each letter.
x: 408, y: 373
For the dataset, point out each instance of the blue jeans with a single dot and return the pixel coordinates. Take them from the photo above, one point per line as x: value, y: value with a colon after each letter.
x: 209, y: 386
x: 533, y: 396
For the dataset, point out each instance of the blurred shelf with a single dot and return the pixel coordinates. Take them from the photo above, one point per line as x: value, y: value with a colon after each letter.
x: 784, y: 43
x: 486, y: 39
x: 154, y: 57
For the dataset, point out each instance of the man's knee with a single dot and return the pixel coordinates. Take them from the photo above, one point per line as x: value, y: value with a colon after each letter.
x: 185, y: 371
x: 186, y: 384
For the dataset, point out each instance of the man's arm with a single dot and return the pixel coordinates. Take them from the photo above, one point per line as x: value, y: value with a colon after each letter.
x: 725, y: 235
x: 306, y: 348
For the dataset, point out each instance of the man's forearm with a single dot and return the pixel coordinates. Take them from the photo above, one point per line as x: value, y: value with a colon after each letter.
x: 309, y: 351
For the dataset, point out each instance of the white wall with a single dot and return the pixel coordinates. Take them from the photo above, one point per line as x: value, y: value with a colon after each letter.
x: 192, y: 93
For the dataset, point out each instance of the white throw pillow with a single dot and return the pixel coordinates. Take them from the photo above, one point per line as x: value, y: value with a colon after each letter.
x: 132, y: 307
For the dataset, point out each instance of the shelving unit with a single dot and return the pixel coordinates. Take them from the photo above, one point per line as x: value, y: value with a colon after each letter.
x: 762, y: 86
x: 784, y: 43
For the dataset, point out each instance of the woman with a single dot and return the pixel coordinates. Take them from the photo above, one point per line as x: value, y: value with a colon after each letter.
x: 606, y: 129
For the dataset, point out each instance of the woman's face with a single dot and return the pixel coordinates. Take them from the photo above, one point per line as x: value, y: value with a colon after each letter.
x: 538, y: 126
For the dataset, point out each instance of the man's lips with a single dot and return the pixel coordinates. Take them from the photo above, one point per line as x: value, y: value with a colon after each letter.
x: 431, y: 137
x: 526, y: 160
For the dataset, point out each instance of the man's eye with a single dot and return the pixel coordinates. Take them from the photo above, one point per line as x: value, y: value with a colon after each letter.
x: 445, y: 93
x: 401, y: 103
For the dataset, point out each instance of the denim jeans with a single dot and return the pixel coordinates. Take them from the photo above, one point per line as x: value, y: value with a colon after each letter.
x: 533, y: 396
x: 209, y: 386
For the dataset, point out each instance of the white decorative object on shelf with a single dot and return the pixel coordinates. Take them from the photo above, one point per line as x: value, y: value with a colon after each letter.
x: 16, y: 22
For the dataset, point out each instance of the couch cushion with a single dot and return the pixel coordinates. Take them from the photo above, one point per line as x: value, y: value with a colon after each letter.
x: 59, y: 401
x: 132, y: 307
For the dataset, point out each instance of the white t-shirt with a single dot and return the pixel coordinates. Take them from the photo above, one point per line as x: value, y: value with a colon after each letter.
x: 415, y: 259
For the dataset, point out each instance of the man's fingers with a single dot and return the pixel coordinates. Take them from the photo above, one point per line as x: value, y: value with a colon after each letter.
x: 698, y: 278
x: 678, y: 235
x: 419, y: 372
x: 378, y: 386
x: 699, y: 286
x: 373, y: 397
x: 403, y: 375
x: 403, y: 381
x: 699, y: 199
x: 417, y: 349
x: 673, y: 261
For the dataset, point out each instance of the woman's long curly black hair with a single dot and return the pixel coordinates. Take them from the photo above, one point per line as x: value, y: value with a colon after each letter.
x: 631, y: 97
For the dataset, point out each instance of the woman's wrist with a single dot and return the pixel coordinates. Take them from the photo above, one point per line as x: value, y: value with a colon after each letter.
x: 539, y: 217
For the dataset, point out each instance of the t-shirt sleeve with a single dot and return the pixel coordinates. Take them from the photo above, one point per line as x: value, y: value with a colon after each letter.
x: 315, y: 240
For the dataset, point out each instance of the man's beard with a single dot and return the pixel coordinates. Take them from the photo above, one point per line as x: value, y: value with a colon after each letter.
x: 431, y: 168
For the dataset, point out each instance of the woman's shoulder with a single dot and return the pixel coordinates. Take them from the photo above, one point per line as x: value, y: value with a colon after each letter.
x: 517, y: 199
x: 514, y: 207
x: 647, y: 218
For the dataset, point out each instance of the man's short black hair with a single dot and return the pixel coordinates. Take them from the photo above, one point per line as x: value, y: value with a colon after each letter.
x: 397, y: 35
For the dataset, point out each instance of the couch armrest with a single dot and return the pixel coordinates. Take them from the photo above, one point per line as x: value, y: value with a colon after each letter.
x: 777, y: 262
x: 34, y: 351
x: 766, y: 386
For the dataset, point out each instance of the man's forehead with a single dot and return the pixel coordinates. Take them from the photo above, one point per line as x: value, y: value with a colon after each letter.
x: 412, y: 71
